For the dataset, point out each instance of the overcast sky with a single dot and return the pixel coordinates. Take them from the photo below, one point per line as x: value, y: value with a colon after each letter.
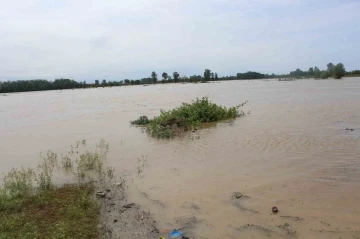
x: 118, y: 39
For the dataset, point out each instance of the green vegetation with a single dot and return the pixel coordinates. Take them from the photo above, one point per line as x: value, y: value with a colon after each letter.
x: 339, y: 71
x: 355, y: 73
x: 142, y: 120
x: 38, y: 85
x: 335, y: 71
x: 187, y: 117
x: 207, y: 75
x: 33, y: 206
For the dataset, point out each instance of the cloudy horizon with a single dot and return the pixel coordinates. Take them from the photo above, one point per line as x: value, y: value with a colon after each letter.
x: 115, y: 40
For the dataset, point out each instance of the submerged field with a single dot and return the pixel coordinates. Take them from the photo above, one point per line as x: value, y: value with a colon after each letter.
x: 293, y: 152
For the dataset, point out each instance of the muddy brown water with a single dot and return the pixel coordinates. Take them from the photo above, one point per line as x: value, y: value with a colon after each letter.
x: 292, y: 151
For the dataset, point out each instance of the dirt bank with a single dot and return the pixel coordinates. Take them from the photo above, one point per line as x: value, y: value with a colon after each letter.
x: 121, y: 218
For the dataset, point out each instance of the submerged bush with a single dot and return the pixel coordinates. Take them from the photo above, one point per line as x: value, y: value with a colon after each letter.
x: 142, y: 120
x: 186, y: 117
x: 18, y: 183
x: 46, y: 168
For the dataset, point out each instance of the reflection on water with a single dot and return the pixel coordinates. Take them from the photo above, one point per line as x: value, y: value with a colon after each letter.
x: 292, y: 151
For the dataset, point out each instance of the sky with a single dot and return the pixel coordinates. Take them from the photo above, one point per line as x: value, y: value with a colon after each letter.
x: 119, y: 39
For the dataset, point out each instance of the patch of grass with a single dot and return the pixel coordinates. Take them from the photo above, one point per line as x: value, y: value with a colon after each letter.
x: 89, y: 161
x: 66, y: 163
x: 186, y: 117
x: 17, y: 184
x: 65, y: 212
x: 46, y: 168
x: 33, y: 206
x: 92, y: 161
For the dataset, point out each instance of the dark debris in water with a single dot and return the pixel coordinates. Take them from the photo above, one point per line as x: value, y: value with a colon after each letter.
x: 275, y: 210
x: 265, y: 230
x: 130, y: 205
x: 238, y: 199
x: 281, y: 231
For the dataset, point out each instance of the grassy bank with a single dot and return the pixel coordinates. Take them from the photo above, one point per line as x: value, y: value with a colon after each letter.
x: 32, y: 205
x: 187, y: 117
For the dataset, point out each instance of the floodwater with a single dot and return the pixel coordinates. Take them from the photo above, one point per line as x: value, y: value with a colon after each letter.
x: 292, y: 151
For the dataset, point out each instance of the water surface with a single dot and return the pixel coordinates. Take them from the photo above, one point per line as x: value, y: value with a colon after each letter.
x: 291, y: 151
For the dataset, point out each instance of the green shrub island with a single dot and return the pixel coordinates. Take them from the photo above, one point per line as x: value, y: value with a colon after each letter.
x: 189, y: 116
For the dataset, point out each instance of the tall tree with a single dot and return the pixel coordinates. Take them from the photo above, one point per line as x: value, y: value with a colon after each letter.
x: 207, y: 74
x: 212, y: 76
x: 216, y: 76
x: 317, y: 72
x: 154, y: 77
x: 176, y: 76
x: 330, y: 69
x: 330, y: 66
x: 97, y: 83
x: 298, y: 73
x: 103, y: 83
x: 184, y: 79
x: 311, y: 71
x: 165, y: 75
x: 339, y: 71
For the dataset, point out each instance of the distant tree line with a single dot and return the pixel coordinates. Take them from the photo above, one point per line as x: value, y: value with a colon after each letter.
x: 355, y: 73
x: 37, y: 85
x: 335, y: 71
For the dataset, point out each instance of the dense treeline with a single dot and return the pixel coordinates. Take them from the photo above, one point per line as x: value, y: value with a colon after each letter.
x: 353, y: 73
x: 335, y: 71
x: 36, y: 85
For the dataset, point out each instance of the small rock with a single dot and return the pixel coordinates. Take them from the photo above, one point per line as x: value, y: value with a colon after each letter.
x: 130, y: 205
x: 238, y: 195
x: 108, y: 190
x: 115, y: 220
x: 100, y: 194
x: 120, y: 185
x: 275, y: 210
x: 155, y: 230
x: 349, y: 129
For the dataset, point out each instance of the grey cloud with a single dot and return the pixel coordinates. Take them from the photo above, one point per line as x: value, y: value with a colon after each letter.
x: 124, y: 39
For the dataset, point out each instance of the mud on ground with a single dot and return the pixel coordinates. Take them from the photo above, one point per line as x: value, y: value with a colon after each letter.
x: 120, y: 218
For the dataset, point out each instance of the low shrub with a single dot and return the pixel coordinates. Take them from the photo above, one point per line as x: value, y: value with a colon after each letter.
x: 186, y: 117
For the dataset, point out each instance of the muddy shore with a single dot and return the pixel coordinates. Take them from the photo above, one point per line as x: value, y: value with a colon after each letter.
x: 121, y: 218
